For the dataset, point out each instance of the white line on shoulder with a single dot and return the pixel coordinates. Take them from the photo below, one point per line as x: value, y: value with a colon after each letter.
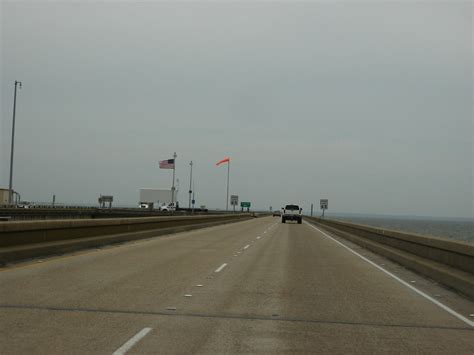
x: 421, y: 293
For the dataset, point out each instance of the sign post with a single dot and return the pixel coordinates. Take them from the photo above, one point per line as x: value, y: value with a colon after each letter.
x: 324, y: 205
x: 245, y: 205
x: 105, y: 199
x: 234, y: 201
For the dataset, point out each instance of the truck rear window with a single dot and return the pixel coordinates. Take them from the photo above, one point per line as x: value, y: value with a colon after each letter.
x: 292, y: 207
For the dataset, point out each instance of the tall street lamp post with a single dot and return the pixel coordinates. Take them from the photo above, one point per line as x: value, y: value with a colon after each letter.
x: 190, y: 182
x: 10, y: 188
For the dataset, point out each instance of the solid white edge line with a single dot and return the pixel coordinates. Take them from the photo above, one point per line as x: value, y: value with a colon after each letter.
x: 135, y: 339
x: 219, y: 269
x: 245, y: 247
x: 421, y: 293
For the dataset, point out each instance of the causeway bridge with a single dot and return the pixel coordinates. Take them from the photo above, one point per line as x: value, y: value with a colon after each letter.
x: 236, y: 283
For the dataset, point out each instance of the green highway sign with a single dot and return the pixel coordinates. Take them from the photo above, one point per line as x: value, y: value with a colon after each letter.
x: 245, y: 204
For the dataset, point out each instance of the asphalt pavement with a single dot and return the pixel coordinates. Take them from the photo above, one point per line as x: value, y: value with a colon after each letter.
x: 256, y: 286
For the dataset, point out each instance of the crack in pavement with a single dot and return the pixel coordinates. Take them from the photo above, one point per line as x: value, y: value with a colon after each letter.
x: 271, y: 318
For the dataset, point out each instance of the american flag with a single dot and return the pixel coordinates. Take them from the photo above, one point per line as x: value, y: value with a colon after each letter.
x: 167, y: 164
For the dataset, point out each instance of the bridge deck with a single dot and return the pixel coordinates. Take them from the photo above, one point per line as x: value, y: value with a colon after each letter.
x: 253, y: 286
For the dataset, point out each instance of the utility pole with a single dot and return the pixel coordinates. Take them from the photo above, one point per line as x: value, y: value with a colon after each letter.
x: 10, y: 187
x: 190, y: 182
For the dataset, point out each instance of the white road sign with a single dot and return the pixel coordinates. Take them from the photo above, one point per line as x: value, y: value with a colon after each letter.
x: 324, y: 204
x: 234, y: 200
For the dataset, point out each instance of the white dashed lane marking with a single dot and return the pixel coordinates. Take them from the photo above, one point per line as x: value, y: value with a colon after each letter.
x: 129, y: 344
x: 219, y: 269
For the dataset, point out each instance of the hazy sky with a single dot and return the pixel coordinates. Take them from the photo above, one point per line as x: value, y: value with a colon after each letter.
x: 368, y: 104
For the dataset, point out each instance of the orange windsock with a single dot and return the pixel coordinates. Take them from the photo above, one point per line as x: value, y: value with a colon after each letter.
x: 225, y: 160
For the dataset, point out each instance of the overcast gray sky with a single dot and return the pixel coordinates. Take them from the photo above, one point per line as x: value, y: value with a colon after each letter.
x: 368, y: 104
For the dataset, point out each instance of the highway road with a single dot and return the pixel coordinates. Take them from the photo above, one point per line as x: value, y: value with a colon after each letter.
x: 249, y: 287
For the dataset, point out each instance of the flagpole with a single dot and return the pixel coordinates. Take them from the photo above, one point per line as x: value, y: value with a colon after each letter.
x: 174, y: 168
x: 228, y: 174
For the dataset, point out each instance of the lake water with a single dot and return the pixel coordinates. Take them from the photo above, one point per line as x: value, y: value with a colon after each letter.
x: 462, y: 230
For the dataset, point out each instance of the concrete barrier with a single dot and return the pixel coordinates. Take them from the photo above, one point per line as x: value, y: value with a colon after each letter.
x: 446, y: 261
x: 22, y: 240
x: 62, y: 212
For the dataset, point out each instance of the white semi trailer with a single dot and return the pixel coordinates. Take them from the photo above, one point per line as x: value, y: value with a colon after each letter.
x: 154, y: 197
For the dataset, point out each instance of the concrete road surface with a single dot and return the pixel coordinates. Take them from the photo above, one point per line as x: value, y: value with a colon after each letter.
x: 256, y: 286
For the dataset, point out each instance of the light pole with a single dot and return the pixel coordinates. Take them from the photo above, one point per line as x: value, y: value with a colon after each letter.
x: 190, y: 182
x: 10, y: 188
x: 194, y: 200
